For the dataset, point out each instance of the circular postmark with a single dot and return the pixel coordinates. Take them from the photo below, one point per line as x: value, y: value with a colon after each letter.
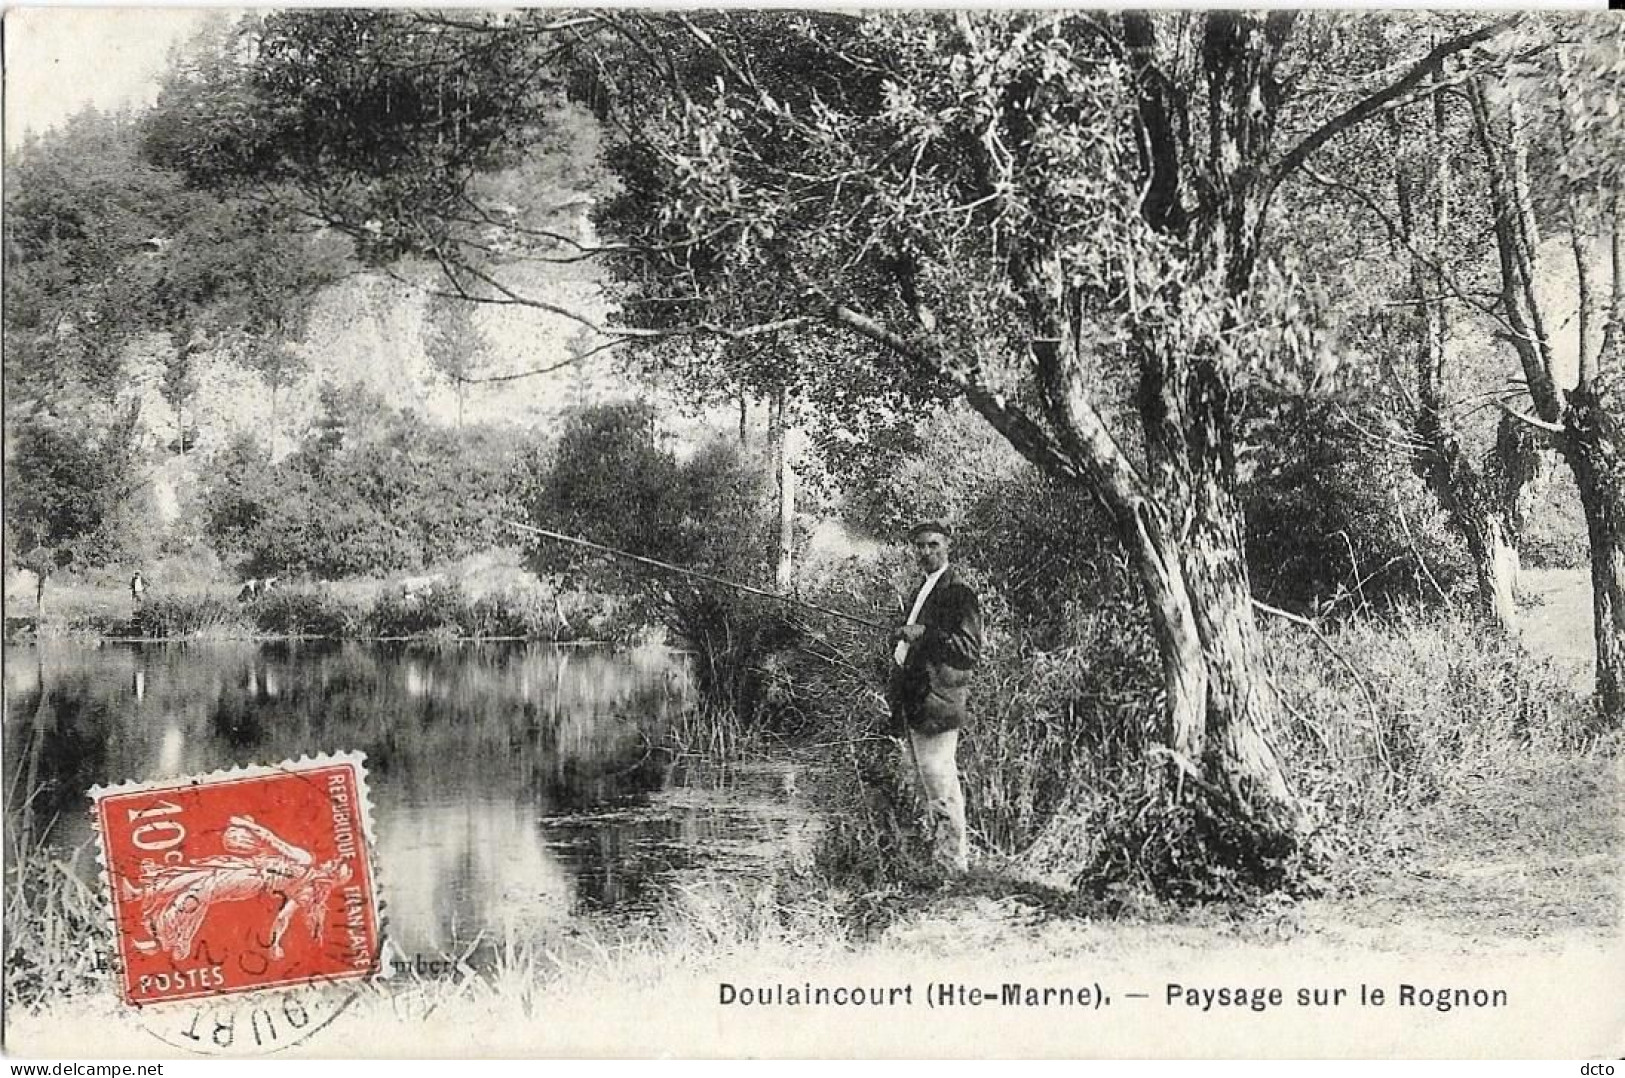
x: 262, y: 1023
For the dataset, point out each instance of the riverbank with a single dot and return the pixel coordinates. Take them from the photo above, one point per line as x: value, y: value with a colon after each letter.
x: 1530, y: 907
x: 434, y: 607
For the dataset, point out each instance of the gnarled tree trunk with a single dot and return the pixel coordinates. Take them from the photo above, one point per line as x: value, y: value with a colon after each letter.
x: 1581, y: 422
x: 1593, y: 449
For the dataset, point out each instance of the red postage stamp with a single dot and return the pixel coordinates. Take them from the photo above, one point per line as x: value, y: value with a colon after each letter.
x: 242, y: 880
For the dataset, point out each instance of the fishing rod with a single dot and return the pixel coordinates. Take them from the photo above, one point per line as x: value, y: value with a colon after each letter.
x: 669, y: 567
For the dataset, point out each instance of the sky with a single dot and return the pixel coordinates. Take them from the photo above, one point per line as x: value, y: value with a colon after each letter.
x: 59, y: 60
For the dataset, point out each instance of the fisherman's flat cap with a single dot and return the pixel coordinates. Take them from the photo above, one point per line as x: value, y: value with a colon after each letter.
x: 929, y: 527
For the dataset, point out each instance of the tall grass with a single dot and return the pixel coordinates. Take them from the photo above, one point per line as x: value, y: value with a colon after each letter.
x: 170, y: 617
x: 57, y: 942
x: 1414, y: 705
x: 1381, y: 718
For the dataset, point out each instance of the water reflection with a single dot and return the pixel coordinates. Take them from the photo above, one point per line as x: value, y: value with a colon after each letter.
x: 508, y: 781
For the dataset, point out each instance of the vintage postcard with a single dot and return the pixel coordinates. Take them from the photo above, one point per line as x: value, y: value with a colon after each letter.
x: 798, y: 533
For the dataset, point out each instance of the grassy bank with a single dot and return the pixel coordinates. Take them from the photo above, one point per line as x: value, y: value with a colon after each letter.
x: 440, y: 609
x: 1383, y: 721
x: 1383, y: 718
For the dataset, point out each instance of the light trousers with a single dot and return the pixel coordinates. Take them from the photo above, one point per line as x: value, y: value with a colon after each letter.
x: 935, y: 769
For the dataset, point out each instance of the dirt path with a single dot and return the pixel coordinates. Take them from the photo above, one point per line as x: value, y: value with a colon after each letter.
x: 1556, y: 619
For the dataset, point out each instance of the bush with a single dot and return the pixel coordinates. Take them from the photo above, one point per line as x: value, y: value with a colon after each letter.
x: 735, y: 644
x: 296, y: 611
x: 1336, y: 517
x: 174, y: 617
x: 371, y: 491
x: 441, y: 609
x: 611, y: 482
x: 529, y: 614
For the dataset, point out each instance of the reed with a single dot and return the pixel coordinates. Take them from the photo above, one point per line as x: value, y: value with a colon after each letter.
x: 203, y: 616
x: 57, y: 944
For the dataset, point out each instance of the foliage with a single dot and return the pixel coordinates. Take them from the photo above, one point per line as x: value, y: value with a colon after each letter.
x: 109, y: 258
x: 1337, y: 519
x: 371, y: 491
x: 1059, y: 217
x: 70, y: 482
x: 304, y: 108
x: 611, y: 482
x: 78, y: 206
x: 309, y: 611
x: 443, y: 609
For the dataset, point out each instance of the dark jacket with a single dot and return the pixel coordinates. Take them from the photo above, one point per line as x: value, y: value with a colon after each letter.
x: 928, y: 693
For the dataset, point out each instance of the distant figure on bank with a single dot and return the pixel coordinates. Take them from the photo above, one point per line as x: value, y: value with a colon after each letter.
x: 254, y: 588
x: 933, y: 655
x: 138, y: 588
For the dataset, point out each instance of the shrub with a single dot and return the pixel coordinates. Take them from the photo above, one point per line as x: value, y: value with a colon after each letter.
x: 372, y: 490
x: 1336, y: 517
x: 440, y: 609
x: 537, y: 613
x: 308, y: 611
x: 443, y: 610
x: 171, y: 617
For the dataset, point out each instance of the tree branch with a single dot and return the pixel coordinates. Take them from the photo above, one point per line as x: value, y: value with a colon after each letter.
x: 1401, y: 237
x: 1373, y: 104
x: 1031, y: 440
x: 1517, y: 286
x: 1532, y: 421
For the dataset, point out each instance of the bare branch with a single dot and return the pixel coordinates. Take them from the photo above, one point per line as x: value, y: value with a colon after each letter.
x: 1385, y: 98
x: 1517, y: 285
x: 1399, y: 236
x: 549, y: 369
x: 1532, y: 421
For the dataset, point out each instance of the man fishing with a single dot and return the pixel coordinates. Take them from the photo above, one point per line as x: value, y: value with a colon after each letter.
x: 933, y: 654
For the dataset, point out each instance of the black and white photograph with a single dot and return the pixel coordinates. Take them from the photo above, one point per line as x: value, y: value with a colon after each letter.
x: 791, y: 533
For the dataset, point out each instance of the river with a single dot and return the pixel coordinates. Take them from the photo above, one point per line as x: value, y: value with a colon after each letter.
x: 511, y: 783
